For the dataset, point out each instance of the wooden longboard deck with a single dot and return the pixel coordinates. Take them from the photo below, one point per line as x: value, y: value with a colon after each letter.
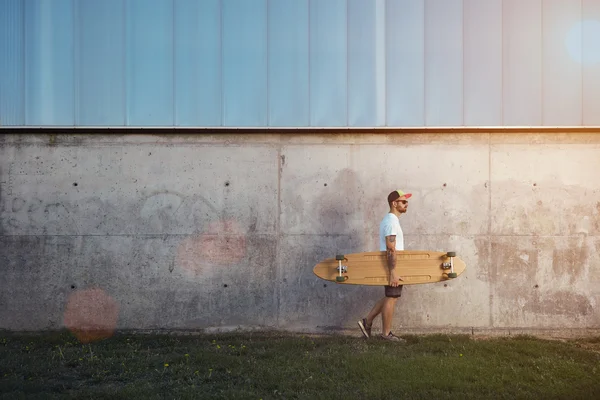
x: 370, y: 268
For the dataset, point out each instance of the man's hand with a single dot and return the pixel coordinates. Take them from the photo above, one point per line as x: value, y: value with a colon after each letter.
x: 394, y: 279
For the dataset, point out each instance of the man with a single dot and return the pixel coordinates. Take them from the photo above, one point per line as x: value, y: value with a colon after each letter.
x: 391, y: 239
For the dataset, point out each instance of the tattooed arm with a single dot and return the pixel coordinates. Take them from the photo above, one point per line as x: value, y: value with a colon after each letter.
x: 390, y: 244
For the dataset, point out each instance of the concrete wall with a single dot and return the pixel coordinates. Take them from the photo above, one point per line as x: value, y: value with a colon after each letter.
x: 221, y: 231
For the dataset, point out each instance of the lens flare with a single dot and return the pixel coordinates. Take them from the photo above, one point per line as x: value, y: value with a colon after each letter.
x: 583, y: 42
x: 91, y: 315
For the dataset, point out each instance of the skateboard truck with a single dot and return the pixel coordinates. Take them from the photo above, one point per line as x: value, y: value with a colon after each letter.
x: 341, y: 269
x: 450, y: 265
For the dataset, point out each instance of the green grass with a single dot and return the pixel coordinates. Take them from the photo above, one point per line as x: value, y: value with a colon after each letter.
x: 286, y: 366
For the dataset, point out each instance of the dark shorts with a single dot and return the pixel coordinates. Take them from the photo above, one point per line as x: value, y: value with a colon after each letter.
x: 395, y: 292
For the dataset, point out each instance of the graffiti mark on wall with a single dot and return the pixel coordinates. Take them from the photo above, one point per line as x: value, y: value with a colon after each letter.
x: 156, y: 213
x: 222, y: 244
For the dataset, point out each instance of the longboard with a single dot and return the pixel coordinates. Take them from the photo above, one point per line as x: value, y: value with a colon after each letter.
x: 370, y: 268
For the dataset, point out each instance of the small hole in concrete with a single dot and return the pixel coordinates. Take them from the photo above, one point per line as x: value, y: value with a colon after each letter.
x: 536, y: 286
x: 72, y: 286
x: 226, y: 183
x: 325, y: 285
x: 325, y: 185
x: 225, y: 285
x: 445, y: 285
x: 75, y: 184
x: 444, y: 185
x: 535, y: 184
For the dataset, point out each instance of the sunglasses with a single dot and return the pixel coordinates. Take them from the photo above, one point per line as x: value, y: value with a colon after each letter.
x: 402, y: 201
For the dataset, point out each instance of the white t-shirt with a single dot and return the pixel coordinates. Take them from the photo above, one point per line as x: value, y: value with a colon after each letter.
x: 390, y: 225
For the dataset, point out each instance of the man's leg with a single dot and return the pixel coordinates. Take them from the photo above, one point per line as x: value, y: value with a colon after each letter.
x: 385, y: 307
x: 366, y: 323
x: 387, y: 314
x: 375, y: 311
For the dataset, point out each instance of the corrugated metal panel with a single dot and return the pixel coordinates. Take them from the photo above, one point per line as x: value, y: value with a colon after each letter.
x: 288, y: 63
x: 589, y: 55
x: 522, y: 62
x: 299, y: 63
x: 405, y: 63
x: 483, y: 62
x: 328, y: 60
x: 150, y: 63
x: 244, y: 65
x: 49, y: 62
x: 100, y: 63
x: 444, y: 63
x: 366, y: 63
x: 12, y: 84
x: 198, y: 90
x: 561, y: 86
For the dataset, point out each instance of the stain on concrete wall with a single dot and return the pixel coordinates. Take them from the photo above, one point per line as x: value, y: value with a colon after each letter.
x: 210, y: 231
x: 544, y: 282
x: 2, y: 185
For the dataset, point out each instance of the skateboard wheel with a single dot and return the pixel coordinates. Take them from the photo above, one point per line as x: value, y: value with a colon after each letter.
x: 451, y: 254
x: 340, y: 278
x: 452, y: 275
x: 339, y: 257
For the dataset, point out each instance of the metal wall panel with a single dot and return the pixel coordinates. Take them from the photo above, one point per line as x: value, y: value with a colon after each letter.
x: 12, y: 61
x: 259, y: 63
x: 150, y: 79
x: 561, y: 89
x: 198, y: 85
x: 444, y: 62
x: 522, y: 62
x: 289, y: 103
x: 100, y: 63
x: 245, y: 91
x: 405, y: 63
x: 328, y: 63
x: 589, y: 56
x: 483, y: 63
x: 49, y: 63
x: 366, y: 62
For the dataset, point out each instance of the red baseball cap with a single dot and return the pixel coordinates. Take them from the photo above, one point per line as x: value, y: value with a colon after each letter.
x: 396, y: 194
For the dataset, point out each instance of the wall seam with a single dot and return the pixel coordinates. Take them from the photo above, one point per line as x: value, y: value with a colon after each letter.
x: 277, y: 290
x: 491, y: 270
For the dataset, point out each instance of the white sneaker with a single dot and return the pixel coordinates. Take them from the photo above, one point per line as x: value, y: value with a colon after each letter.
x: 365, y: 329
x: 392, y: 337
